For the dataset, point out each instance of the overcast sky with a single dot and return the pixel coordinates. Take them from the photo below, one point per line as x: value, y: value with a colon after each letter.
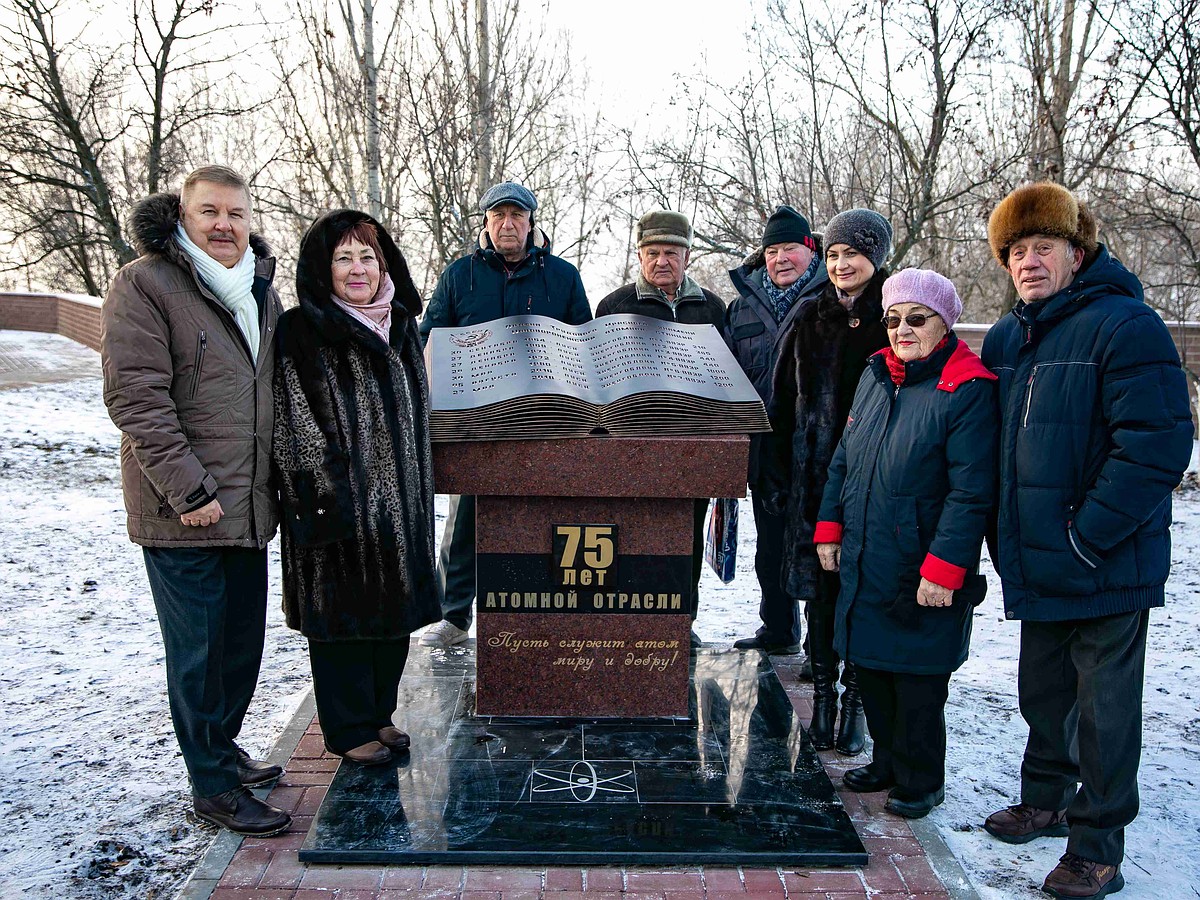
x: 636, y: 51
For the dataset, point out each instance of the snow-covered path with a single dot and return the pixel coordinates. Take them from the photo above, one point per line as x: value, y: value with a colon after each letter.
x: 93, y: 793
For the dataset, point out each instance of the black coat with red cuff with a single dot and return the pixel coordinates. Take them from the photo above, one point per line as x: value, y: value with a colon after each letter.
x: 909, y: 494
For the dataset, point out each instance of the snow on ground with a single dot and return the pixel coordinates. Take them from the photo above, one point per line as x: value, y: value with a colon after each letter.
x: 94, y: 800
x: 987, y: 736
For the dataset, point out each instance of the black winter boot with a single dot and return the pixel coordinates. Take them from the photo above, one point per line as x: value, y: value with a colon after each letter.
x: 820, y: 730
x: 824, y: 673
x: 852, y: 729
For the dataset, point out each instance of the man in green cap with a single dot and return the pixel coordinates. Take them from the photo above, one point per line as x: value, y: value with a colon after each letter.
x: 663, y: 290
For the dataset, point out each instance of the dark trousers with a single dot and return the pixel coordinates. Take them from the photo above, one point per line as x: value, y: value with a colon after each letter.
x: 456, y: 562
x: 780, y: 613
x: 820, y: 610
x: 1080, y: 689
x: 699, y: 514
x: 212, y: 610
x: 906, y: 715
x: 355, y: 685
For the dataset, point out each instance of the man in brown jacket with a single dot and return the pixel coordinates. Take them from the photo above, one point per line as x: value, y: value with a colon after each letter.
x: 188, y: 353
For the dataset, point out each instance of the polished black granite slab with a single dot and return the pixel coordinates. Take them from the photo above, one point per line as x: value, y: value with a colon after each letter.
x: 737, y: 783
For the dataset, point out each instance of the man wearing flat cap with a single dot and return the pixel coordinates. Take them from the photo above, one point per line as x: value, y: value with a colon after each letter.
x: 1096, y: 434
x: 511, y: 273
x: 773, y: 283
x: 664, y: 290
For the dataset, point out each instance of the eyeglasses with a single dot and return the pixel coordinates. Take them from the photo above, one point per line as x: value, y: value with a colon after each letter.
x: 914, y: 320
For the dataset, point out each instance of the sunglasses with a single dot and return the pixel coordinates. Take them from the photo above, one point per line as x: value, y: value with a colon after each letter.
x: 914, y: 320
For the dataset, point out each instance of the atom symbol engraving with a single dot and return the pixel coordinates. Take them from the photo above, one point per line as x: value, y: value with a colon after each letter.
x: 471, y: 338
x: 583, y: 781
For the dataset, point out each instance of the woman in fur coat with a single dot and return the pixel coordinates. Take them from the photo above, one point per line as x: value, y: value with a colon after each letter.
x: 820, y: 361
x: 351, y: 451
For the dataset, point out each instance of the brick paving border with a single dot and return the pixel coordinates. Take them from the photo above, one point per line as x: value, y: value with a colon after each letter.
x: 909, y: 860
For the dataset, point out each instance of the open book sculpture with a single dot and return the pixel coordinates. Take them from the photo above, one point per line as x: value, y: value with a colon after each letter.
x: 530, y: 377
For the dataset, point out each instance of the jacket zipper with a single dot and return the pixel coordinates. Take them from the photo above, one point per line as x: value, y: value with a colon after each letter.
x: 1028, y: 397
x: 201, y: 346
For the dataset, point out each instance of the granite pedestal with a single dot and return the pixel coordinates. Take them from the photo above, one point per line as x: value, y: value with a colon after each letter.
x: 736, y: 783
x: 584, y: 567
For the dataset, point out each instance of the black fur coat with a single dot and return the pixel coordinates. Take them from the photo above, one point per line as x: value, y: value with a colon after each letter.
x: 352, y: 457
x: 821, y: 359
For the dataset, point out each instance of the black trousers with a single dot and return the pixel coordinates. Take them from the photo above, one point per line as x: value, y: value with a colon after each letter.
x: 780, y: 613
x: 1080, y: 689
x: 355, y: 685
x: 906, y: 715
x: 456, y: 562
x: 820, y: 610
x: 212, y: 611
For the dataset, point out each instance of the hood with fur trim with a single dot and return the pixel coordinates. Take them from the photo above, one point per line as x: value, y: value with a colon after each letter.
x: 153, y: 226
x: 314, y: 270
x: 1041, y: 208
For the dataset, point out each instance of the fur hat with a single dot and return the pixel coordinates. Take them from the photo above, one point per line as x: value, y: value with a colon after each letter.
x: 664, y: 227
x: 863, y: 229
x: 787, y: 226
x: 926, y: 287
x: 1041, y: 208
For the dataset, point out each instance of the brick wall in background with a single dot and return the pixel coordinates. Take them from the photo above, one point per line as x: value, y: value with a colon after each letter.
x: 75, y: 317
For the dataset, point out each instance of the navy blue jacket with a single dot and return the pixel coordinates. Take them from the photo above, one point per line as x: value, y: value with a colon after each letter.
x: 479, y: 288
x: 1096, y: 434
x: 909, y: 494
x: 755, y: 337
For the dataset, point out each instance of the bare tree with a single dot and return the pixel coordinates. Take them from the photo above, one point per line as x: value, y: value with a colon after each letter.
x: 877, y: 110
x: 453, y: 118
x: 77, y: 146
x: 912, y: 72
x: 1083, y: 103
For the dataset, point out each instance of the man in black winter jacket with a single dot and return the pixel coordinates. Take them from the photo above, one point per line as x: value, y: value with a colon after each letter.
x: 511, y: 273
x: 773, y: 284
x: 664, y: 290
x: 1096, y: 432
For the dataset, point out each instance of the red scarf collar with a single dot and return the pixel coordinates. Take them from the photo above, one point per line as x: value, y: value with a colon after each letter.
x: 896, y: 366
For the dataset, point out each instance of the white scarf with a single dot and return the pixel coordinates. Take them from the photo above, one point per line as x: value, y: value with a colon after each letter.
x: 232, y: 287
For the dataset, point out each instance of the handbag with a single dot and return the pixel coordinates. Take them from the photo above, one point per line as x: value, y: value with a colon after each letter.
x: 720, y: 540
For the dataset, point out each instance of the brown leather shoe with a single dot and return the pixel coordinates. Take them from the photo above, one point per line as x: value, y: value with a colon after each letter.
x: 242, y: 813
x: 393, y: 738
x: 372, y: 753
x: 1076, y: 878
x: 254, y: 772
x: 1022, y: 823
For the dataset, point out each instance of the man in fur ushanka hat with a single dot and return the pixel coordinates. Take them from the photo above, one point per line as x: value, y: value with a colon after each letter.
x: 1096, y: 433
